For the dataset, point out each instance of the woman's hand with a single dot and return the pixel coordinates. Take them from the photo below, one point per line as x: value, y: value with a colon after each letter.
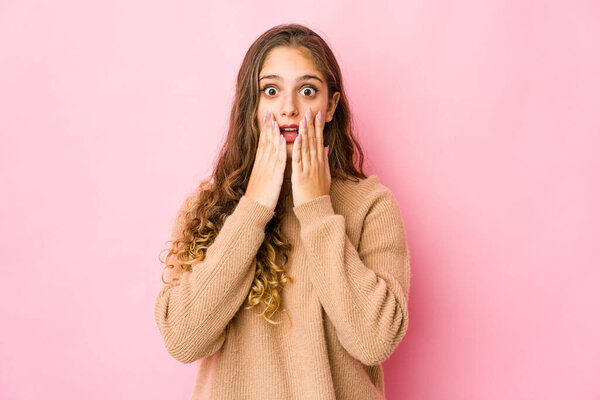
x: 266, y: 178
x: 310, y: 162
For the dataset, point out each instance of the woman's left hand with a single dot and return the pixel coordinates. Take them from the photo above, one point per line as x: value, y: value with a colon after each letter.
x: 310, y: 162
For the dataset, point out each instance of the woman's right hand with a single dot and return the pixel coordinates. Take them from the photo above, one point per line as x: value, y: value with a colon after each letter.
x: 266, y: 178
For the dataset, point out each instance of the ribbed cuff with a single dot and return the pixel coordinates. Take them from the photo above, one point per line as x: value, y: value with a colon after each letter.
x: 253, y: 211
x: 313, y: 211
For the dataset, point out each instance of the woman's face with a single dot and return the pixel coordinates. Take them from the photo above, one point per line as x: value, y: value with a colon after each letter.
x: 290, y: 83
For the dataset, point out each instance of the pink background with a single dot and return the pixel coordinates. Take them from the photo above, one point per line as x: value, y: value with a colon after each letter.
x: 481, y: 116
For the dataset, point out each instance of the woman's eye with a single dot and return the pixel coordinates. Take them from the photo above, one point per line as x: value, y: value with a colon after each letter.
x: 272, y: 91
x: 309, y: 88
x: 269, y: 90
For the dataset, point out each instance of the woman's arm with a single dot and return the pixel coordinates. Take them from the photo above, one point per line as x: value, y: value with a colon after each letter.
x: 364, y: 292
x: 191, y: 313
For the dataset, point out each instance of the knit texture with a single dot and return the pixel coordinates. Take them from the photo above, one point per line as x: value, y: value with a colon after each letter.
x: 348, y: 300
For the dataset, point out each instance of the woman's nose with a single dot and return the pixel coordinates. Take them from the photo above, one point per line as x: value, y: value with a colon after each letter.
x: 289, y: 108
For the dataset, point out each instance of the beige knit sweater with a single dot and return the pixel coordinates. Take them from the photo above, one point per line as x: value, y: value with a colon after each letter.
x: 348, y: 300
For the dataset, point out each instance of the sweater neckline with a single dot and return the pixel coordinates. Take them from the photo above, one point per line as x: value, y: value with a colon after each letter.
x: 286, y: 197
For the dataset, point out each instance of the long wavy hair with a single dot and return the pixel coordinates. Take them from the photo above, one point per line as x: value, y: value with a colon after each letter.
x: 217, y: 197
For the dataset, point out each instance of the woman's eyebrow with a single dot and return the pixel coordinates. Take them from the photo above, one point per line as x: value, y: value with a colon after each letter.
x: 302, y: 78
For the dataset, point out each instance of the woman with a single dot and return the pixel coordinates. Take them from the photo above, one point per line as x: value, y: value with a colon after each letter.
x: 286, y: 225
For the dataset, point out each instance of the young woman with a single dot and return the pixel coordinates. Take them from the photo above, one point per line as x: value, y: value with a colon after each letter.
x: 287, y: 223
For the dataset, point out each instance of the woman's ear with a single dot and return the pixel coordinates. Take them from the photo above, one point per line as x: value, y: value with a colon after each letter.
x: 332, y: 105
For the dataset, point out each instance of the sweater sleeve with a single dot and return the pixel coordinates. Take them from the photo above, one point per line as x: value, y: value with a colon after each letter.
x: 364, y: 292
x: 193, y: 312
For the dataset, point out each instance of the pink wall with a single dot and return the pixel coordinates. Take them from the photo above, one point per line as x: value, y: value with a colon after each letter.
x: 481, y: 116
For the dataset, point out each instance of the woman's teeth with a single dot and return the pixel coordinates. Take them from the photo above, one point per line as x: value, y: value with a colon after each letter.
x: 289, y: 134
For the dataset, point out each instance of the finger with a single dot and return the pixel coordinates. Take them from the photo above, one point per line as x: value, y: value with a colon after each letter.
x: 319, y: 135
x: 280, y: 143
x: 312, y: 146
x: 262, y: 134
x: 297, y: 152
x: 327, y: 171
x: 304, y: 143
x: 268, y: 134
x: 275, y: 131
x: 282, y: 150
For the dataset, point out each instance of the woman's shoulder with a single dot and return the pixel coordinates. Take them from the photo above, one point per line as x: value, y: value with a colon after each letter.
x: 360, y: 186
x: 360, y: 193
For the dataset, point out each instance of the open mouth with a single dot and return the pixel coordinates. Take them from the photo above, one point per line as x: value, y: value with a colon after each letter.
x: 289, y: 131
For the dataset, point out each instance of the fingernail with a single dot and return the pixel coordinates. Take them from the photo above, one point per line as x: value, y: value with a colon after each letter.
x: 303, y: 122
x: 309, y: 113
x: 264, y: 119
x: 299, y: 137
x: 319, y: 116
x: 268, y: 114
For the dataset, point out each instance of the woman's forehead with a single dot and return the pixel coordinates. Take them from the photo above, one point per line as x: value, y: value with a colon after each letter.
x: 288, y: 63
